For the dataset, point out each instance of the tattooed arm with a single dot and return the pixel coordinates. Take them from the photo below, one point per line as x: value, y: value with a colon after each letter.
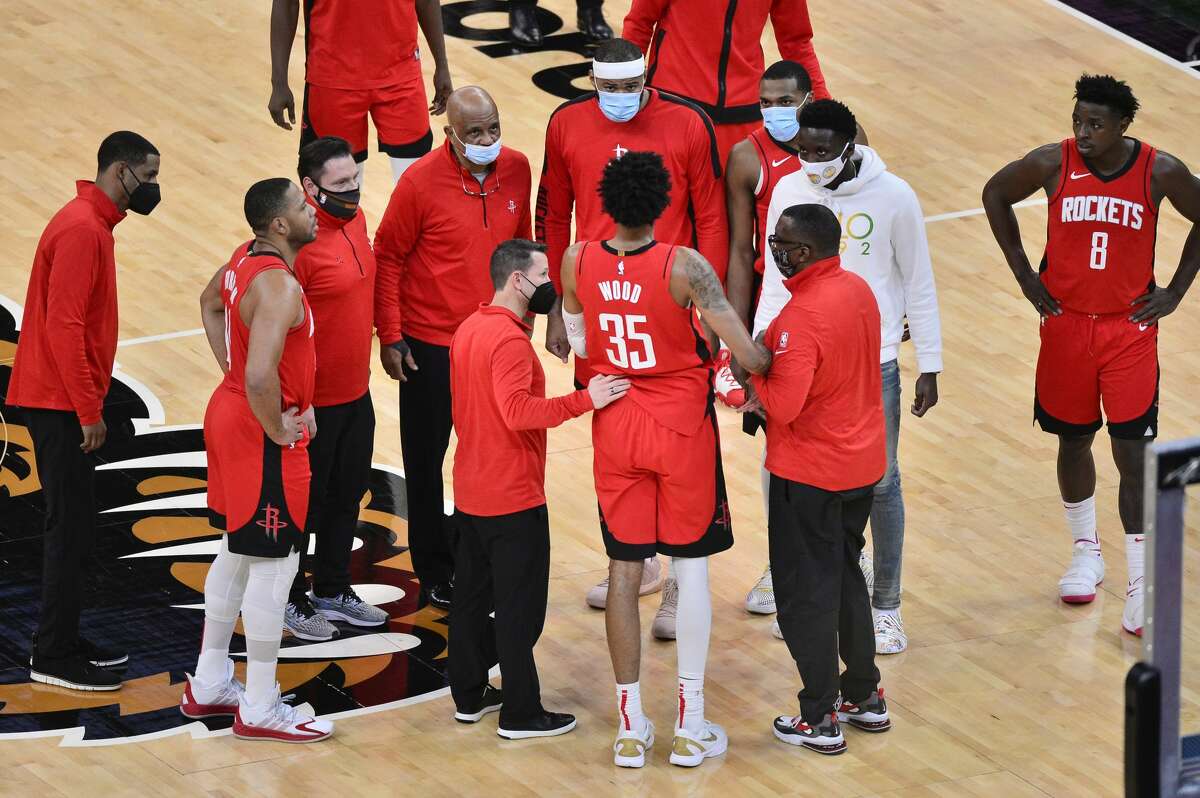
x: 694, y: 281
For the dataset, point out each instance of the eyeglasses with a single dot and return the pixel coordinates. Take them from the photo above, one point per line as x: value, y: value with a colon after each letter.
x: 775, y: 244
x: 481, y: 193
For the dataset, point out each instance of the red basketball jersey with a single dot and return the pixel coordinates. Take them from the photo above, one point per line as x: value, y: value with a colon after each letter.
x: 774, y: 164
x: 298, y: 363
x: 637, y: 329
x: 1100, y: 233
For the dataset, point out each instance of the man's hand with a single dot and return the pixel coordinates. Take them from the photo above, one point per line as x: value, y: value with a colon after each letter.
x: 740, y: 375
x: 442, y: 87
x: 752, y: 405
x: 281, y: 100
x: 291, y: 428
x: 925, y: 395
x: 394, y: 358
x: 1154, y: 305
x: 1035, y: 291
x: 309, y: 417
x: 556, y: 337
x: 93, y: 436
x: 607, y: 389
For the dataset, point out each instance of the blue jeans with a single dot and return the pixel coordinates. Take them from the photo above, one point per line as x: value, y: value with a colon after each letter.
x: 887, y: 512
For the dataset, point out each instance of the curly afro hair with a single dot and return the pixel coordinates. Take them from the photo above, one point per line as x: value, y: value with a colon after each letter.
x: 635, y: 188
x: 1107, y: 91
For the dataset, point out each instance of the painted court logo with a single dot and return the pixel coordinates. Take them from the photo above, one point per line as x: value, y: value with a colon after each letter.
x: 144, y: 587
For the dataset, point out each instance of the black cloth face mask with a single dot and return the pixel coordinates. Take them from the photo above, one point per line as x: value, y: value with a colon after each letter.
x: 342, y: 204
x: 144, y: 198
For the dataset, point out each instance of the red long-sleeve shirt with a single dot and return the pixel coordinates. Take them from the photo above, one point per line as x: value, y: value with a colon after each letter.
x: 337, y: 272
x: 710, y: 51
x: 823, y: 394
x: 501, y: 414
x: 435, y: 242
x: 580, y: 141
x: 68, y: 340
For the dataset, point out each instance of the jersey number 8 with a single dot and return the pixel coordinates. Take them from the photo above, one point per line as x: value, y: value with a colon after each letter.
x: 623, y: 329
x: 1099, y: 250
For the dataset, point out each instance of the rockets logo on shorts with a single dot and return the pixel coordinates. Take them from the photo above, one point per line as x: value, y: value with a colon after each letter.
x: 271, y: 522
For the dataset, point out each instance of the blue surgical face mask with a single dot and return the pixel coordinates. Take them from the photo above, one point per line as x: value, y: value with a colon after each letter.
x: 781, y: 122
x: 478, y: 154
x: 619, y: 106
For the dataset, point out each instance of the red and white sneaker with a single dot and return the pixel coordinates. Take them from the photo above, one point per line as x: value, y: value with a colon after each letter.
x: 728, y: 391
x: 279, y: 722
x: 200, y: 703
x: 1135, y: 607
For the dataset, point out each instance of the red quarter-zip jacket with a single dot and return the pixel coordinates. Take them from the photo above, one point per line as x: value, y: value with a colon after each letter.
x: 68, y: 340
x: 337, y: 272
x: 501, y: 414
x: 435, y: 242
x: 710, y: 51
x: 823, y: 394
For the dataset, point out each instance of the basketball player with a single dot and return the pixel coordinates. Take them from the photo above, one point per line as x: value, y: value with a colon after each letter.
x: 1099, y: 309
x: 629, y: 305
x: 884, y: 243
x: 710, y: 52
x: 583, y: 135
x: 256, y: 433
x: 361, y: 58
x: 337, y: 273
x: 60, y: 376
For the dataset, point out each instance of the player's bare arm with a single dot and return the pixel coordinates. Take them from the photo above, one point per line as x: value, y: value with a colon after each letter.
x: 557, y: 342
x: 1015, y: 182
x: 285, y: 15
x: 741, y: 177
x: 271, y: 308
x: 1172, y: 180
x: 692, y: 278
x: 429, y: 17
x: 212, y: 317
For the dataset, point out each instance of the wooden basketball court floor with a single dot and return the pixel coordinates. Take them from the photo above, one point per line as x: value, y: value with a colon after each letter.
x: 1004, y: 691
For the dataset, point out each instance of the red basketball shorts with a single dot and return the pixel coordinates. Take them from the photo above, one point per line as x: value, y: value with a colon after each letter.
x: 257, y: 490
x: 659, y: 491
x: 400, y: 113
x: 1091, y: 360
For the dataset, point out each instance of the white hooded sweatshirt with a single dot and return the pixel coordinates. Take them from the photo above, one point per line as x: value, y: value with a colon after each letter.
x: 883, y: 241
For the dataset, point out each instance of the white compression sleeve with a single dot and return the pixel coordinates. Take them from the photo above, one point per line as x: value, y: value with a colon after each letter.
x: 267, y: 589
x: 223, y: 589
x: 576, y: 333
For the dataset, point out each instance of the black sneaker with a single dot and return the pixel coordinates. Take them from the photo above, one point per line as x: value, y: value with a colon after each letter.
x: 547, y: 724
x: 74, y: 673
x: 100, y: 656
x: 869, y: 715
x: 441, y: 596
x: 489, y: 702
x: 824, y: 738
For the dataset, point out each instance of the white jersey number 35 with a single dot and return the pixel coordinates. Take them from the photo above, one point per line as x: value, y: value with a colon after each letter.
x: 622, y: 333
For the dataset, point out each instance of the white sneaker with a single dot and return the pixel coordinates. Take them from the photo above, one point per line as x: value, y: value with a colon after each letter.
x: 629, y: 751
x: 889, y: 634
x: 1135, y: 607
x: 663, y: 627
x: 726, y: 387
x: 279, y: 722
x: 775, y: 630
x: 653, y: 576
x: 1078, y: 584
x: 690, y: 749
x: 761, y: 598
x: 867, y: 566
x: 198, y: 702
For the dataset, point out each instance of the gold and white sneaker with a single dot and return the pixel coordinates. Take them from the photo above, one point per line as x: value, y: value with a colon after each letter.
x: 761, y: 598
x: 689, y: 749
x: 629, y: 751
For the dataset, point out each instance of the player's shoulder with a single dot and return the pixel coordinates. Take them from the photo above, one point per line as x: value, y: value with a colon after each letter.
x: 570, y: 108
x: 743, y: 156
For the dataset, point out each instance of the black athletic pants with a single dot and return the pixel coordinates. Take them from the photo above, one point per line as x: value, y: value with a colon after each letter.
x: 68, y: 486
x: 816, y: 537
x: 340, y: 455
x: 503, y: 564
x: 425, y: 425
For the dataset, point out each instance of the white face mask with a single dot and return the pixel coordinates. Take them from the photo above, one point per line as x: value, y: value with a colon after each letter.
x: 822, y: 173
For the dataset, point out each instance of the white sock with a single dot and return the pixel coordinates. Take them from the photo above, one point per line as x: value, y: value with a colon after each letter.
x: 893, y: 613
x: 399, y: 165
x: 629, y: 706
x: 1081, y: 520
x: 691, y: 703
x: 1135, y: 557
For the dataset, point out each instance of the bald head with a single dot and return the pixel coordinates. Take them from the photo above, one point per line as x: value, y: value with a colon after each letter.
x: 474, y: 119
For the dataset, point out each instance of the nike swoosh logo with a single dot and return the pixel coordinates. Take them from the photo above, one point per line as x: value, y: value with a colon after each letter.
x: 1076, y: 177
x: 778, y: 163
x: 1143, y: 327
